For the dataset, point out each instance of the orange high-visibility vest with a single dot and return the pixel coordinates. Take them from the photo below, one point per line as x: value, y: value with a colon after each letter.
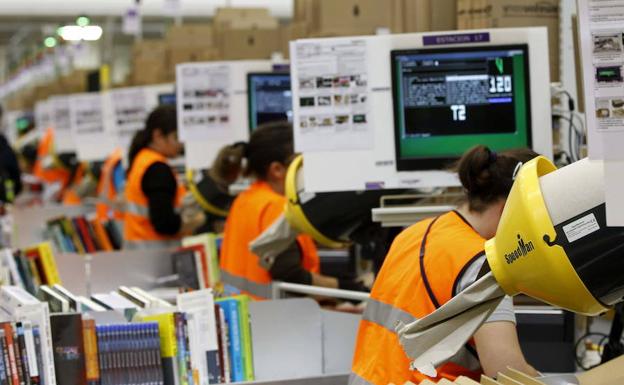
x: 252, y: 212
x: 106, y: 189
x: 420, y: 273
x: 69, y: 196
x: 45, y: 150
x: 139, y: 233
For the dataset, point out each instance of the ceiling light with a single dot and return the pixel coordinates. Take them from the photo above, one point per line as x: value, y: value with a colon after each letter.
x: 50, y: 42
x: 77, y: 33
x: 83, y: 21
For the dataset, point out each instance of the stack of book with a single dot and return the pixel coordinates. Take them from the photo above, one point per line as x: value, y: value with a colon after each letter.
x: 205, y: 341
x: 31, y: 268
x: 197, y: 262
x: 26, y: 349
x: 202, y: 340
x: 84, y: 234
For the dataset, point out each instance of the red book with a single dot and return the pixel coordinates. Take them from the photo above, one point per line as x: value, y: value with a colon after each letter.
x: 12, y: 364
x: 83, y: 228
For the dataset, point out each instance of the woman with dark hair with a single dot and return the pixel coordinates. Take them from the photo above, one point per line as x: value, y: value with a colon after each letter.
x: 431, y: 262
x: 153, y: 193
x: 265, y: 158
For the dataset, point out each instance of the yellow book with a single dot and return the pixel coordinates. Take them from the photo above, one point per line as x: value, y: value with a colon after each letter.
x: 485, y: 380
x: 503, y: 379
x: 465, y: 381
x: 521, y: 377
x: 48, y: 263
x: 168, y: 344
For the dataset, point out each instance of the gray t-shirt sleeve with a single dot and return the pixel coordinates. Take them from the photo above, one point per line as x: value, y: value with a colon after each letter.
x: 504, y: 311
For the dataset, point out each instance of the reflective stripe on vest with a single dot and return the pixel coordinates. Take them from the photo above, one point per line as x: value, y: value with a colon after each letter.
x: 150, y: 245
x: 254, y: 288
x: 385, y: 315
x: 137, y: 209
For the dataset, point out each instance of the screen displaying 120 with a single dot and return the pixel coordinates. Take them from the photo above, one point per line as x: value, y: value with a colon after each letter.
x: 447, y: 101
x: 270, y: 98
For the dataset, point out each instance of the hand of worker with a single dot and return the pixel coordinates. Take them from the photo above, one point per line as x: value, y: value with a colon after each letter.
x: 352, y: 285
x: 190, y: 223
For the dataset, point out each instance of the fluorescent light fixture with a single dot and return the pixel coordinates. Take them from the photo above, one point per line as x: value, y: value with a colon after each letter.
x: 83, y: 21
x: 77, y: 33
x: 50, y: 42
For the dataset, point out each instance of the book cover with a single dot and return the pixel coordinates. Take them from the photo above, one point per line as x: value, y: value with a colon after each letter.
x: 74, y: 304
x: 184, y: 266
x: 10, y: 352
x: 114, y: 234
x: 72, y: 235
x: 102, y: 236
x: 168, y: 345
x: 34, y: 272
x: 56, y: 302
x: 232, y: 318
x: 9, y: 259
x: 101, y: 332
x: 184, y: 353
x: 39, y: 354
x: 48, y: 263
x: 246, y: 336
x: 22, y: 353
x: 83, y: 233
x: 5, y: 375
x: 220, y: 342
x: 92, y: 235
x: 92, y: 365
x: 18, y: 357
x: 31, y: 353
x: 205, y: 349
x: 68, y: 348
x: 209, y: 242
x: 24, y: 270
x: 225, y: 346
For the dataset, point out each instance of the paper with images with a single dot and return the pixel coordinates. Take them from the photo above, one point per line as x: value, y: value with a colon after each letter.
x: 203, y: 101
x: 331, y: 96
x: 60, y: 113
x: 602, y: 46
x: 129, y: 111
x: 92, y: 140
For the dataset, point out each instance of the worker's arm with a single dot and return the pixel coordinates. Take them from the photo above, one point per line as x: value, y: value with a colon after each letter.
x: 498, y: 347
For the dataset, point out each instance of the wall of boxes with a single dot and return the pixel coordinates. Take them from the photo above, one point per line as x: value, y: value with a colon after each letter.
x: 253, y: 33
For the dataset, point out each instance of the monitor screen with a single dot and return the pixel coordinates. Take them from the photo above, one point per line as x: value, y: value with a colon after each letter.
x: 270, y: 98
x: 168, y: 99
x: 449, y: 100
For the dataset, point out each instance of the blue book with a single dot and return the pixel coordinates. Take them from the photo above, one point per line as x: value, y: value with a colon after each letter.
x: 232, y: 318
x: 4, y: 379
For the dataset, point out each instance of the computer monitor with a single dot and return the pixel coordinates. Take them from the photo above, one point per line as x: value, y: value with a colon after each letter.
x: 269, y: 97
x: 451, y: 99
x: 167, y: 99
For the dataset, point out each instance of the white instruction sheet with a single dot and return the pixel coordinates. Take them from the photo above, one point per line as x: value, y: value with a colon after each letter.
x: 92, y: 140
x: 602, y: 45
x: 203, y: 100
x: 330, y: 95
x: 43, y: 116
x: 129, y: 111
x: 61, y: 121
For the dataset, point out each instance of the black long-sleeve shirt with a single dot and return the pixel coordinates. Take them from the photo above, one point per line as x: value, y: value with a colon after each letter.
x: 9, y: 165
x: 160, y: 187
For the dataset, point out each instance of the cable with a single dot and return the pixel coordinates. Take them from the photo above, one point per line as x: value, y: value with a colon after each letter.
x: 582, y: 339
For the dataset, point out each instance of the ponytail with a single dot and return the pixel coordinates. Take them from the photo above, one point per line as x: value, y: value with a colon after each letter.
x: 229, y: 164
x: 163, y: 118
x: 487, y: 176
x: 271, y: 142
x: 140, y: 141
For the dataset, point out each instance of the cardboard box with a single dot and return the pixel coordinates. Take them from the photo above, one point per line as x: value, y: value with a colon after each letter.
x: 240, y: 44
x: 513, y: 14
x: 150, y: 71
x: 290, y: 32
x: 190, y: 35
x: 149, y: 49
x: 177, y: 55
x: 244, y: 18
x: 351, y: 17
x: 430, y: 15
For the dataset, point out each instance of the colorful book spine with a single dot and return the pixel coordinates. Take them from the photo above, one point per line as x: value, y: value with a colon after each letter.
x: 168, y: 345
x: 10, y: 353
x: 246, y: 337
x: 232, y: 318
x: 23, y: 354
x: 39, y: 355
x: 4, y: 370
x: 182, y: 348
x: 91, y: 352
x: 50, y: 270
